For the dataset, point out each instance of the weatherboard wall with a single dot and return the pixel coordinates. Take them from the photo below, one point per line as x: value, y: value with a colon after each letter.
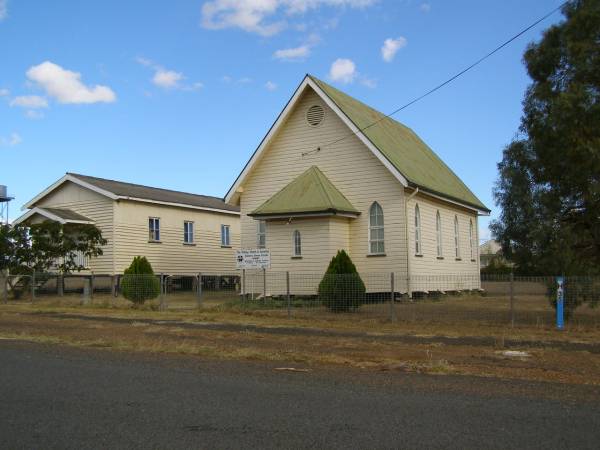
x: 94, y: 206
x: 351, y: 167
x: 171, y: 255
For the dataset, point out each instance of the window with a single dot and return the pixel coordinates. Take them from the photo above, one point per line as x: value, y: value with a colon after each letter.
x: 376, y: 242
x: 456, y: 239
x: 438, y: 232
x: 225, y: 241
x: 154, y: 229
x: 261, y: 234
x: 188, y: 232
x: 417, y: 231
x: 471, y: 237
x: 297, y: 243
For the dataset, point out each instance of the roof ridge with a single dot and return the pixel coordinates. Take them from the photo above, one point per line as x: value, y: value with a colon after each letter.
x: 77, y: 175
x: 317, y: 172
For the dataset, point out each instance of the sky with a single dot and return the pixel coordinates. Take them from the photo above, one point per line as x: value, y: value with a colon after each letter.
x: 178, y: 94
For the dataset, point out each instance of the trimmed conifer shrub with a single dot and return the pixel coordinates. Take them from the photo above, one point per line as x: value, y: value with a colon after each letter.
x: 139, y: 282
x: 342, y: 289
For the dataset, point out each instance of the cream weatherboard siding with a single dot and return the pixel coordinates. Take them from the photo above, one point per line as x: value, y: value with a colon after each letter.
x: 429, y: 272
x: 352, y: 168
x: 94, y: 206
x: 171, y: 255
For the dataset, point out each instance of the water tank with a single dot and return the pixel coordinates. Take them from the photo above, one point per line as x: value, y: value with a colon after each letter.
x: 3, y: 192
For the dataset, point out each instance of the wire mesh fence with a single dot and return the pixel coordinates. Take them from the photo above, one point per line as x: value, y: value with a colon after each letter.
x: 369, y: 297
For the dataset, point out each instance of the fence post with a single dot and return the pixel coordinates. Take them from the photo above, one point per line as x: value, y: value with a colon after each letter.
x: 60, y: 286
x: 264, y: 284
x: 5, y: 294
x: 33, y: 286
x: 560, y: 303
x: 92, y: 285
x: 289, y: 302
x: 163, y: 289
x: 85, y: 298
x: 244, y: 285
x: 392, y: 298
x: 512, y: 299
x: 113, y: 288
x: 199, y: 290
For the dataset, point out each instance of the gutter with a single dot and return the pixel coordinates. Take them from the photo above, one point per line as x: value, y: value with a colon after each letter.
x: 408, y: 289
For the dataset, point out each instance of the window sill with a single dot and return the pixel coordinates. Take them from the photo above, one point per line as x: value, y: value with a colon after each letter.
x: 225, y: 246
x: 473, y: 260
x: 296, y: 257
x: 375, y: 255
x: 440, y: 257
x: 457, y: 259
x: 418, y: 255
x: 154, y: 242
x: 189, y: 244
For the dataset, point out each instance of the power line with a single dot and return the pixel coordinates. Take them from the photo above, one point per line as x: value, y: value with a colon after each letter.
x: 451, y: 79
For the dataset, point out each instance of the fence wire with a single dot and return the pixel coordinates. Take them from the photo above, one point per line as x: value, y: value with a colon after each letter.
x: 459, y: 300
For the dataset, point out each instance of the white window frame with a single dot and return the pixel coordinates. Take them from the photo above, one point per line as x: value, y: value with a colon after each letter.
x: 471, y: 238
x: 376, y: 227
x: 261, y: 235
x: 225, y: 235
x: 297, y: 243
x: 439, y: 236
x: 154, y: 229
x: 188, y: 232
x: 456, y: 238
x: 418, y: 236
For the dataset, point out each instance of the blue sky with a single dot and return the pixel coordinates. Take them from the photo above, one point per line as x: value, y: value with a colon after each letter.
x: 178, y: 94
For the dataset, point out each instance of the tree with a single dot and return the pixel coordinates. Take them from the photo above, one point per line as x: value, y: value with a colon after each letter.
x: 549, y: 178
x: 48, y: 245
x: 139, y: 282
x: 341, y: 288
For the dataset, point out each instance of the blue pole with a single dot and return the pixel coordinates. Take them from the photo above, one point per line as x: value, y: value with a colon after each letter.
x: 560, y: 309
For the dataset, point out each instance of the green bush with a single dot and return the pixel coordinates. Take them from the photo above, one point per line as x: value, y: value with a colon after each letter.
x: 341, y: 288
x: 139, y: 282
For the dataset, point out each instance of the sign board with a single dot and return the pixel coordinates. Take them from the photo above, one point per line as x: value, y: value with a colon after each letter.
x: 257, y: 258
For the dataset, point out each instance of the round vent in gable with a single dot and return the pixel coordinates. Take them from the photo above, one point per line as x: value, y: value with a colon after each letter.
x: 314, y: 115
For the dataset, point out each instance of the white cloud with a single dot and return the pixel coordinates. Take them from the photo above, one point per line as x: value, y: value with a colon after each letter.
x: 4, y: 92
x: 34, y: 114
x: 167, y: 79
x: 291, y: 54
x: 263, y: 17
x: 270, y: 85
x: 3, y: 9
x: 368, y: 82
x: 343, y: 71
x: 425, y: 7
x: 10, y: 141
x: 29, y: 101
x: 391, y: 47
x: 66, y: 86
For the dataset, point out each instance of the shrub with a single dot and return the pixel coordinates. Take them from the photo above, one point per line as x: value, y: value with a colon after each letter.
x: 139, y: 282
x: 341, y: 288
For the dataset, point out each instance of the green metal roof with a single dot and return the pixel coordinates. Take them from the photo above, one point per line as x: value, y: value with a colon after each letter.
x: 310, y: 193
x: 403, y: 148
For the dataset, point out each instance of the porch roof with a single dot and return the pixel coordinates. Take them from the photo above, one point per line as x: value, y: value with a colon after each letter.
x: 310, y: 194
x: 56, y: 215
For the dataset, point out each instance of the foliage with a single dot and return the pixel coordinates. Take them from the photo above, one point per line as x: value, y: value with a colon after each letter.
x: 497, y: 266
x: 47, y: 245
x: 341, y: 288
x: 139, y: 282
x: 549, y: 177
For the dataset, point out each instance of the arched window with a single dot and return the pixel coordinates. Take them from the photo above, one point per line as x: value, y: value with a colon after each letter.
x: 297, y: 240
x: 261, y: 234
x: 438, y: 233
x: 456, y: 238
x: 376, y: 242
x: 471, y: 237
x: 417, y: 230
